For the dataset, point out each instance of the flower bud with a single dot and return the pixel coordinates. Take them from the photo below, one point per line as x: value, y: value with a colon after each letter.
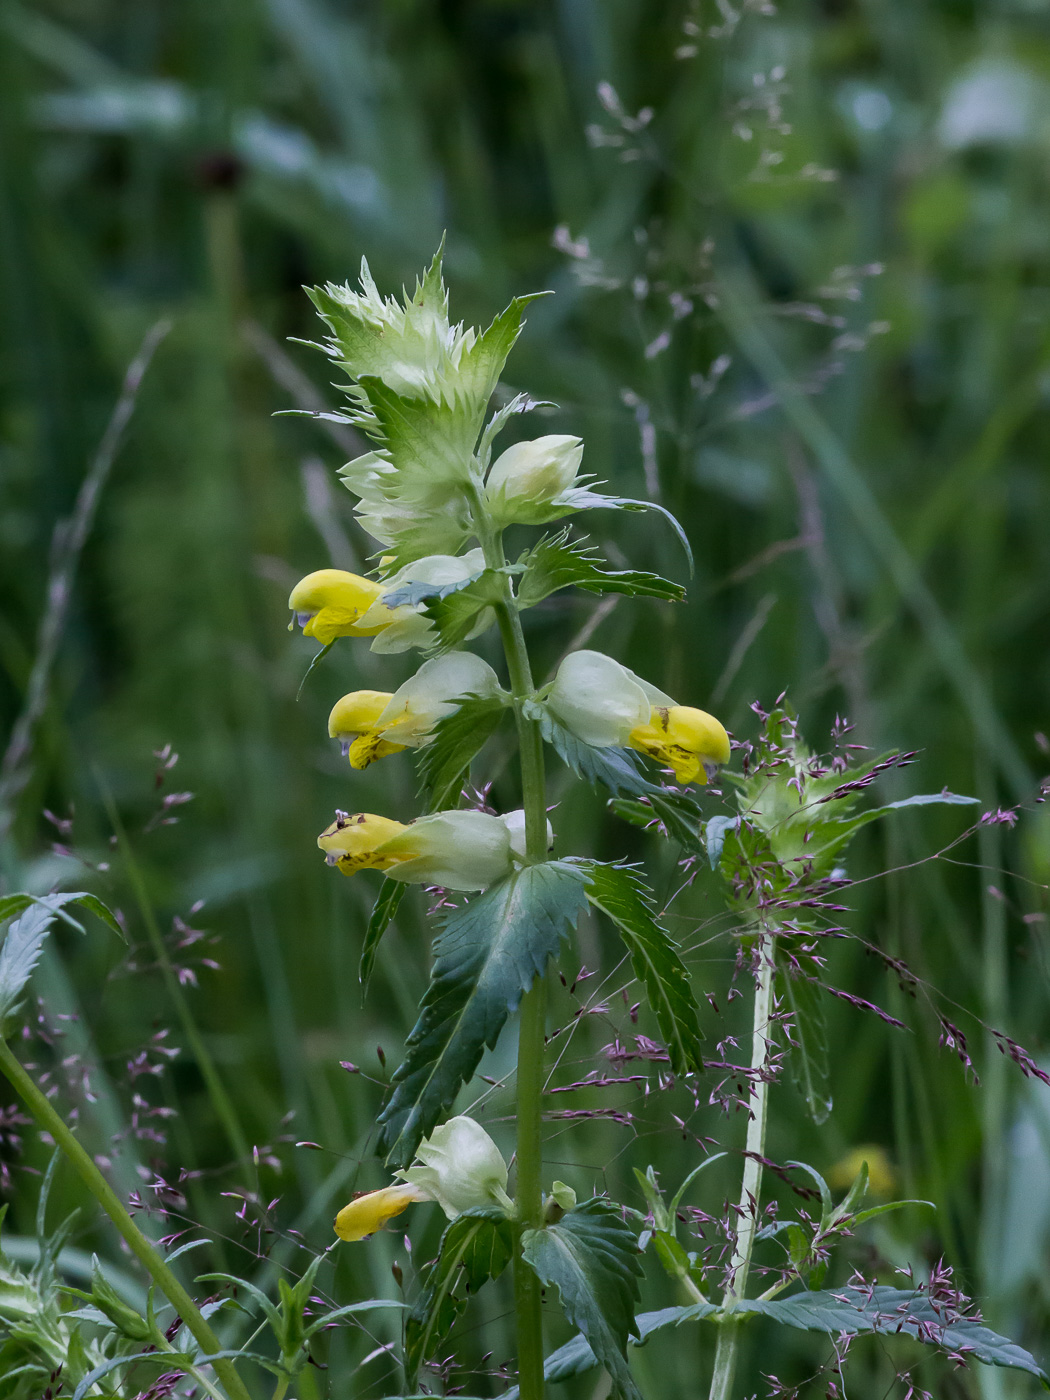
x: 371, y: 723
x: 330, y: 603
x: 462, y: 1169
x: 526, y: 483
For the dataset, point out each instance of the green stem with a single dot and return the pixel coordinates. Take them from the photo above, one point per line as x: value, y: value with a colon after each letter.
x: 221, y: 1101
x: 533, y: 1013
x: 751, y: 1183
x: 180, y: 1300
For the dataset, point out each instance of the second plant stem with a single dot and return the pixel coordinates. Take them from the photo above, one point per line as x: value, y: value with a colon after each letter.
x: 533, y: 1012
x: 751, y: 1183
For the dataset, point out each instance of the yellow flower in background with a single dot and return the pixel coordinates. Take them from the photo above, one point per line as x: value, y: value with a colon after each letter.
x: 882, y: 1175
x: 461, y: 1169
x: 690, y: 741
x: 372, y: 723
x: 330, y: 602
x: 456, y: 850
x: 606, y: 705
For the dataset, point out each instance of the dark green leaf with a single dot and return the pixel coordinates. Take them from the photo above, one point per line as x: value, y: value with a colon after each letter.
x: 444, y: 763
x: 555, y: 563
x: 487, y: 955
x: 592, y: 1258
x: 622, y: 895
x: 477, y: 1246
x: 804, y: 999
x: 391, y: 893
x: 576, y: 1357
x: 893, y: 1311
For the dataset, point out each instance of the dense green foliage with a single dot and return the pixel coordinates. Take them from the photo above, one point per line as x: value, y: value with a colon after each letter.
x: 802, y: 305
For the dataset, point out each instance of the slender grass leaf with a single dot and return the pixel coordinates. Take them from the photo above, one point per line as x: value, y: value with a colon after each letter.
x: 317, y: 658
x: 391, y: 893
x: 592, y: 1258
x: 444, y: 763
x: 477, y: 1246
x: 557, y: 563
x: 623, y: 896
x: 487, y: 955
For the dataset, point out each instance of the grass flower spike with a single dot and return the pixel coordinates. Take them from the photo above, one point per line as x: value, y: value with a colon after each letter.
x: 462, y: 1169
x: 456, y: 850
x: 330, y: 603
x: 372, y: 723
x: 606, y: 705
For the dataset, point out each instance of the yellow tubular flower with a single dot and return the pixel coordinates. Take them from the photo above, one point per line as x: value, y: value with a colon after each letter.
x: 329, y: 602
x: 370, y: 1212
x: 690, y: 741
x: 354, y: 720
x: 351, y: 842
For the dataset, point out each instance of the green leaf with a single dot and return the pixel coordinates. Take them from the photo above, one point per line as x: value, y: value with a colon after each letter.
x: 810, y: 1065
x: 24, y: 940
x: 444, y: 763
x: 391, y: 893
x: 592, y: 1258
x: 928, y: 799
x: 892, y: 1312
x: 576, y: 1357
x: 585, y: 499
x: 477, y: 1246
x: 456, y: 613
x: 556, y: 563
x: 318, y: 656
x: 487, y: 956
x: 414, y: 592
x: 482, y: 364
x: 623, y: 896
x: 715, y: 837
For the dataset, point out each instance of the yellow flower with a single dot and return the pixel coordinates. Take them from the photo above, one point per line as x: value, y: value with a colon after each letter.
x: 370, y: 1212
x: 372, y: 723
x: 329, y: 603
x: 461, y: 1169
x: 882, y: 1175
x: 354, y: 722
x: 353, y: 842
x: 690, y: 741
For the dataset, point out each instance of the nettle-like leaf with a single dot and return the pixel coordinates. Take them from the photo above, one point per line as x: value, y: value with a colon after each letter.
x: 556, y: 563
x: 476, y: 1247
x: 444, y: 762
x: 34, y: 917
x: 488, y: 954
x: 591, y: 1256
x: 892, y: 1312
x: 384, y: 911
x: 637, y: 800
x: 621, y: 894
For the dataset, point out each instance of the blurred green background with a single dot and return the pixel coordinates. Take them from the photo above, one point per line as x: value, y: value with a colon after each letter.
x: 801, y: 263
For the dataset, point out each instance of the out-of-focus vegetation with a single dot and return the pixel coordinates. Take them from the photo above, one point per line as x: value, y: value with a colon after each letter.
x: 802, y: 276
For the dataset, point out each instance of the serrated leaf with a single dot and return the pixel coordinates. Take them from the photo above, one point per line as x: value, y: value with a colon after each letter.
x: 444, y: 763
x: 455, y: 615
x: 585, y: 499
x: 809, y: 1052
x: 715, y: 837
x: 24, y: 939
x: 623, y: 896
x: 414, y: 592
x: 488, y: 954
x: 476, y: 1247
x: 892, y: 1311
x: 592, y: 1258
x: 391, y: 893
x: 556, y: 563
x: 576, y: 1357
